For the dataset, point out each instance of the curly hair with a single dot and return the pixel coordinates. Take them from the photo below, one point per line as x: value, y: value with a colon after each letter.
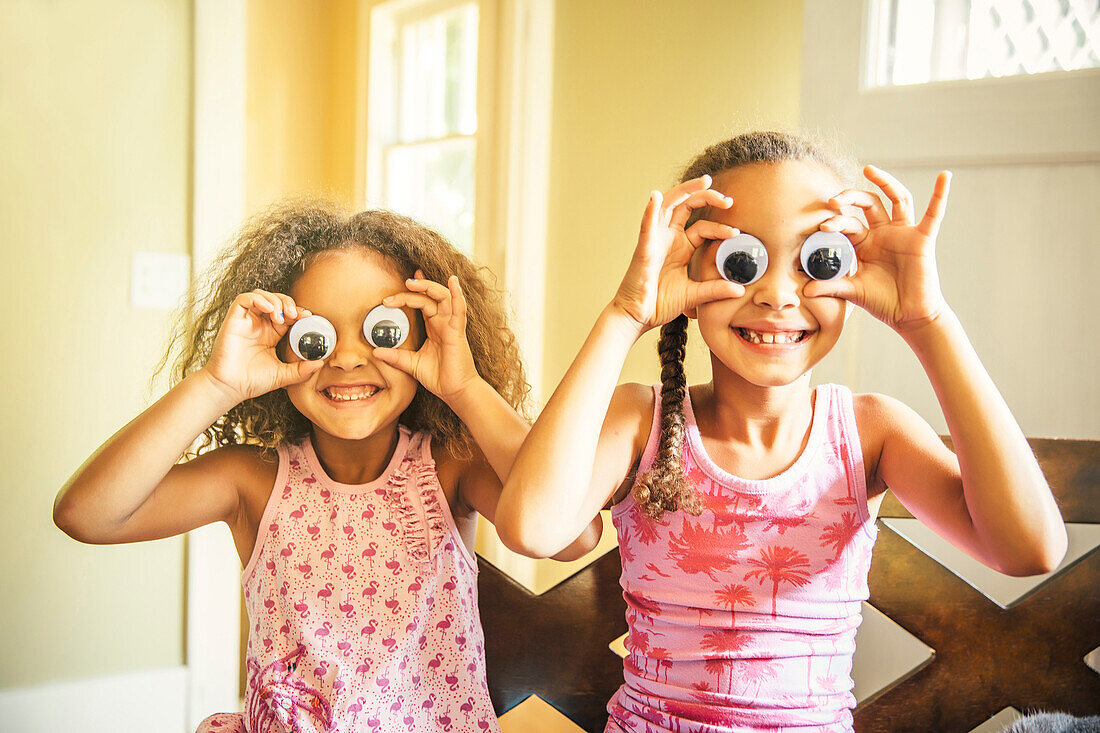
x: 665, y: 487
x: 272, y: 251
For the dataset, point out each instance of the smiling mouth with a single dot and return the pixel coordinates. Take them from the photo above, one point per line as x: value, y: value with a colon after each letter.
x: 350, y: 394
x: 771, y: 337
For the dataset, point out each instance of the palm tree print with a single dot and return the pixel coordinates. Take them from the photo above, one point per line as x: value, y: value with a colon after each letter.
x: 731, y: 596
x: 722, y: 643
x: 839, y: 534
x: 700, y: 550
x: 780, y: 565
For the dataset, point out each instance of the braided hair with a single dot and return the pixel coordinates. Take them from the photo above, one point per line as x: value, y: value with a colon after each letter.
x: 664, y: 487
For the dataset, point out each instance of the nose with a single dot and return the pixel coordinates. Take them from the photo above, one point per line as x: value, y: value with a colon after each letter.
x: 352, y: 351
x: 778, y: 289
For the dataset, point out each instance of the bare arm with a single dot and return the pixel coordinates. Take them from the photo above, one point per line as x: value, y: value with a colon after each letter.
x: 131, y: 489
x: 591, y: 433
x: 445, y: 366
x: 993, y: 501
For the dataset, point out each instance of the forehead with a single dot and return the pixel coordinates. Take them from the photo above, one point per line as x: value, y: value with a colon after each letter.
x: 343, y: 280
x: 776, y: 201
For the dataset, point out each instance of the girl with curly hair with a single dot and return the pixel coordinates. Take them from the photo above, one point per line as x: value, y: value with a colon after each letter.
x: 745, y: 507
x: 355, y: 386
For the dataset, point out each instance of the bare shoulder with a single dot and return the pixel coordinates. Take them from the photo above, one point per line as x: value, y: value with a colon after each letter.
x: 254, y: 471
x: 626, y: 431
x: 876, y: 417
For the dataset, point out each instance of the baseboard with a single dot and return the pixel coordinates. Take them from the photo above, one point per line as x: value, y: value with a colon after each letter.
x: 144, y: 701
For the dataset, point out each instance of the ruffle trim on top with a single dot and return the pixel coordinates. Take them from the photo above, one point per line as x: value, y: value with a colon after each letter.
x: 416, y: 508
x: 280, y: 698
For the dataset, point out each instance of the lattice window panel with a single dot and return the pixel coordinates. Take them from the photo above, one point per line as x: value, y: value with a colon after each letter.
x: 918, y: 41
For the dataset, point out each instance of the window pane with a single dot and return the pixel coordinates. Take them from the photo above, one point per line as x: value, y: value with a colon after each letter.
x: 438, y: 75
x: 916, y: 41
x: 434, y: 184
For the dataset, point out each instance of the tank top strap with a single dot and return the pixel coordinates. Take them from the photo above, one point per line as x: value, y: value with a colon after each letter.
x: 843, y: 438
x: 654, y: 439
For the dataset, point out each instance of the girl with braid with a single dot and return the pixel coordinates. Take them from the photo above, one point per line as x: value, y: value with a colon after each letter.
x: 745, y: 507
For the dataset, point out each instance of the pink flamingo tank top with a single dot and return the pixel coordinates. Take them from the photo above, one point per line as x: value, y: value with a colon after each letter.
x: 744, y: 618
x: 362, y: 602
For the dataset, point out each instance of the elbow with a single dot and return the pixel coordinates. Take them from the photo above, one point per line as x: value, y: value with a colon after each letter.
x: 523, y: 537
x: 68, y: 517
x: 1043, y: 558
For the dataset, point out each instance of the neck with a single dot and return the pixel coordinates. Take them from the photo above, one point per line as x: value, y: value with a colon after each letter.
x: 355, y: 461
x: 748, y: 413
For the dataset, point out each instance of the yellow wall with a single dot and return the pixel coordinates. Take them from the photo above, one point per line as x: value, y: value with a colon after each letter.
x: 640, y: 87
x: 95, y: 152
x: 301, y: 99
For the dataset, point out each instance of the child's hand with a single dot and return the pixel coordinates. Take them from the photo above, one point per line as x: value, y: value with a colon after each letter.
x: 656, y: 287
x: 244, y: 361
x: 444, y: 364
x: 895, y: 279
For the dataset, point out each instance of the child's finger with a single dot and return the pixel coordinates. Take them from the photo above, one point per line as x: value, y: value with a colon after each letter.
x: 709, y: 291
x: 434, y: 290
x: 869, y: 203
x: 299, y: 371
x: 855, y: 229
x: 845, y: 287
x: 937, y: 205
x: 650, y: 218
x: 421, y: 302
x: 680, y: 193
x: 286, y: 303
x: 903, y: 211
x: 458, y: 302
x: 402, y: 359
x: 698, y: 200
x: 263, y: 302
x: 704, y: 231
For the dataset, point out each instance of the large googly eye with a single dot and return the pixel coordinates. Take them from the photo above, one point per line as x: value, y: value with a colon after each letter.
x: 741, y: 259
x: 312, y: 338
x: 386, y: 327
x: 827, y: 255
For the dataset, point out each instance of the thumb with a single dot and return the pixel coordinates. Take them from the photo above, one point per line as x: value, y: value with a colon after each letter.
x: 402, y: 359
x: 299, y: 371
x: 710, y: 290
x: 845, y: 288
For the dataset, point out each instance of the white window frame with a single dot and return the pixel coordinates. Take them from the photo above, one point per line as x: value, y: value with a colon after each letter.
x: 512, y: 184
x: 892, y: 126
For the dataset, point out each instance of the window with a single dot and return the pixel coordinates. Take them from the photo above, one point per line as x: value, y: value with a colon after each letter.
x: 918, y: 41
x: 423, y: 161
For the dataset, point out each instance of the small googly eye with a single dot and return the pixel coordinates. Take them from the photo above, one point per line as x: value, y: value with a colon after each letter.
x: 827, y: 255
x: 386, y: 327
x: 741, y: 259
x: 312, y: 338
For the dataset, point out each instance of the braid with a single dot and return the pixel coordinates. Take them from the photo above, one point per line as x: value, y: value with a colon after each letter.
x: 665, y: 486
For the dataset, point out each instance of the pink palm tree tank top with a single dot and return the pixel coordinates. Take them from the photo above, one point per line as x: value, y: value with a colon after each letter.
x: 362, y: 602
x: 744, y: 618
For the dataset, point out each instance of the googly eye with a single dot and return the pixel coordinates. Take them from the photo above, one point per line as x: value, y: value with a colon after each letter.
x: 827, y: 255
x: 741, y: 259
x: 312, y: 338
x: 386, y: 327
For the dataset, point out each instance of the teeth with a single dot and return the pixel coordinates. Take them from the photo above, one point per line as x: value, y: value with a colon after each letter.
x: 349, y: 394
x: 771, y: 337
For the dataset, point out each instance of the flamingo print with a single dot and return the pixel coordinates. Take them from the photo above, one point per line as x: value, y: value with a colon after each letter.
x: 349, y: 531
x: 322, y: 632
x: 392, y: 603
x: 467, y: 708
x: 314, y: 531
x: 306, y: 569
x: 349, y: 570
x: 370, y: 590
x: 328, y: 554
x: 324, y: 594
x: 369, y: 553
x: 299, y: 512
x: 302, y: 608
x: 393, y: 564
